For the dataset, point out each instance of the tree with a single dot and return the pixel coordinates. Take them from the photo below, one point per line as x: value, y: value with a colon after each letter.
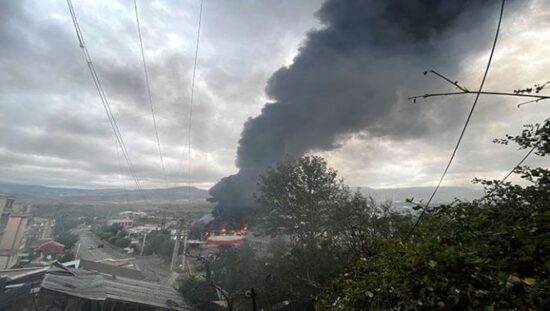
x: 330, y: 226
x: 199, y: 293
x: 361, y: 221
x: 160, y: 243
x: 67, y: 238
x: 297, y: 198
x: 67, y: 256
x: 122, y: 242
x: 490, y: 254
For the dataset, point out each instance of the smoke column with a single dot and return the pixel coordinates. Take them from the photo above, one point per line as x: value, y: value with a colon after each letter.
x: 354, y: 75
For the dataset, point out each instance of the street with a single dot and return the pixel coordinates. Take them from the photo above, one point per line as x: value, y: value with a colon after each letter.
x: 88, y: 247
x: 152, y: 267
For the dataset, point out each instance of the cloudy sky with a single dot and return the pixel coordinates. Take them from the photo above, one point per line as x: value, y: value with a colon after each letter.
x: 54, y: 131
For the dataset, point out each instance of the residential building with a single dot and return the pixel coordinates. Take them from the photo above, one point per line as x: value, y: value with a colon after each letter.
x: 13, y: 239
x: 124, y: 222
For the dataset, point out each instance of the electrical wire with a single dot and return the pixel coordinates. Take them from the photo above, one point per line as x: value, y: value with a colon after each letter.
x: 465, y: 125
x: 104, y: 100
x: 148, y: 89
x: 192, y: 95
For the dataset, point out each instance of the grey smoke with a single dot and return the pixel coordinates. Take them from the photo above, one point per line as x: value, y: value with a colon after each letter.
x: 354, y: 75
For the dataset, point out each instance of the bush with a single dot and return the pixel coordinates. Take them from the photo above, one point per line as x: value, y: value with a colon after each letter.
x: 122, y: 242
x: 67, y: 239
x: 68, y: 256
x: 198, y: 292
x: 491, y: 254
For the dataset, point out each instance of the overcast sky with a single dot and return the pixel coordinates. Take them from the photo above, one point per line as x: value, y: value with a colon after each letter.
x: 54, y: 131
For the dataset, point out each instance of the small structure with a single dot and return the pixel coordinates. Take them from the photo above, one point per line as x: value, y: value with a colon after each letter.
x: 132, y: 214
x: 225, y: 240
x: 51, y: 248
x: 124, y: 222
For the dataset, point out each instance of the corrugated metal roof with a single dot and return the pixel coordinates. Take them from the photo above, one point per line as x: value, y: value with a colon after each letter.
x: 94, y: 286
x: 110, y: 269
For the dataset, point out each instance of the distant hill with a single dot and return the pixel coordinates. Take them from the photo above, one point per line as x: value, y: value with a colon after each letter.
x: 444, y: 194
x: 42, y: 194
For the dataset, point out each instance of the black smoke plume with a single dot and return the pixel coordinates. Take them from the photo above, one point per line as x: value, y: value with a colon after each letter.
x: 354, y: 75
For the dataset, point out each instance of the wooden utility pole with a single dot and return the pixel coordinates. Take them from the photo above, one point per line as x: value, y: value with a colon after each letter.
x: 184, y: 257
x: 176, y: 249
x: 143, y: 244
x: 253, y: 296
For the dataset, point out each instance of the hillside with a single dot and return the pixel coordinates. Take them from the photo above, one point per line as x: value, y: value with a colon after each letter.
x: 42, y: 194
x: 444, y: 194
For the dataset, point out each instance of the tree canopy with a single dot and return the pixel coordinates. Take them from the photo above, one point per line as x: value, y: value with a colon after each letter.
x: 490, y: 254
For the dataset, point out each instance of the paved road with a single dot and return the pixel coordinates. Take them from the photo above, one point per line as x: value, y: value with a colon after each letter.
x: 88, y: 247
x: 153, y: 267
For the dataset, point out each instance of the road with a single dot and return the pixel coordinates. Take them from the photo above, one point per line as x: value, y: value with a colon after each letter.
x: 88, y: 247
x: 152, y: 267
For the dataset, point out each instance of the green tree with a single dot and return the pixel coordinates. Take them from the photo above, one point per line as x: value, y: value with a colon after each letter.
x: 490, y: 254
x: 159, y: 243
x: 67, y: 239
x: 67, y: 256
x: 122, y: 242
x: 199, y: 292
x: 328, y: 225
x: 297, y: 198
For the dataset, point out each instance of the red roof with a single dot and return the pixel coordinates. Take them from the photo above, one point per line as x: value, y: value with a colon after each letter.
x: 51, y: 247
x: 225, y: 240
x: 37, y: 243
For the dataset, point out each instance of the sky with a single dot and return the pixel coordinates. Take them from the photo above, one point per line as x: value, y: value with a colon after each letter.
x: 54, y: 131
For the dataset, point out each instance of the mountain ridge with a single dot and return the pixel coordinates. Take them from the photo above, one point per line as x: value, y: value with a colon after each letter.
x: 44, y: 194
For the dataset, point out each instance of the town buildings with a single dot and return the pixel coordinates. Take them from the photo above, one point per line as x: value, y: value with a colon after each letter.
x: 13, y: 231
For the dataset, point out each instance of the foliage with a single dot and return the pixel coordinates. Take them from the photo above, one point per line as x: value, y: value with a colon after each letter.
x: 64, y: 223
x: 115, y: 235
x: 68, y: 256
x: 322, y: 228
x: 198, y: 292
x: 490, y: 254
x: 537, y: 135
x: 113, y: 229
x: 297, y: 198
x: 122, y: 242
x: 159, y: 243
x: 67, y: 238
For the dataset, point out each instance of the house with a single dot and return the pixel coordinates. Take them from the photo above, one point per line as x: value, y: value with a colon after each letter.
x: 124, y: 222
x: 110, y: 269
x: 14, y: 237
x: 51, y: 248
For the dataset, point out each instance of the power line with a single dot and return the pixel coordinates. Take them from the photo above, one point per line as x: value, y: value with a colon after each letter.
x: 519, y: 163
x: 148, y: 88
x: 465, y: 124
x: 103, y: 97
x: 121, y: 172
x: 192, y: 98
x: 537, y: 97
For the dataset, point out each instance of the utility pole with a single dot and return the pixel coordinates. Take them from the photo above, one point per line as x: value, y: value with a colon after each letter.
x: 77, y: 250
x: 177, y: 245
x: 176, y: 250
x: 253, y: 296
x: 143, y: 244
x: 184, y: 257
